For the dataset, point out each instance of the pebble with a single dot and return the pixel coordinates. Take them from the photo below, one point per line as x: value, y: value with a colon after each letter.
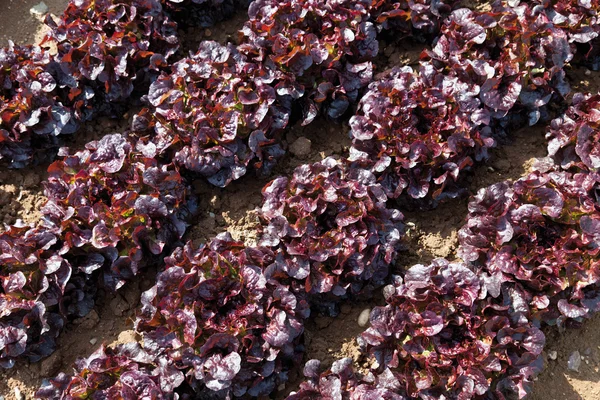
x: 39, y: 9
x: 89, y: 321
x: 18, y: 394
x: 301, y: 147
x: 119, y: 305
x: 553, y: 355
x: 363, y: 318
x: 281, y: 387
x: 587, y: 72
x: 93, y: 341
x: 51, y: 365
x: 211, y: 214
x: 574, y: 361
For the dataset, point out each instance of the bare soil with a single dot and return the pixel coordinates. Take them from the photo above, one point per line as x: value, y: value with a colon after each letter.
x: 432, y: 233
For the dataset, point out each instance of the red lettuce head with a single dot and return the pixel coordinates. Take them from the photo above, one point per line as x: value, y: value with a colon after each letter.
x: 438, y: 339
x: 514, y: 54
x: 31, y: 116
x: 417, y: 133
x: 538, y: 236
x: 220, y: 319
x: 114, y: 203
x: 333, y: 227
x: 574, y: 137
x: 112, y: 47
x: 324, y: 49
x: 34, y: 277
x: 215, y: 113
x: 126, y: 372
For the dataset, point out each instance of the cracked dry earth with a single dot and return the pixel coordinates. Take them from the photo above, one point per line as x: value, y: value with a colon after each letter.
x: 432, y: 233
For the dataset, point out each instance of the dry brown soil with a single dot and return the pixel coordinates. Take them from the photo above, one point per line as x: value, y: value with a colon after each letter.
x: 434, y: 233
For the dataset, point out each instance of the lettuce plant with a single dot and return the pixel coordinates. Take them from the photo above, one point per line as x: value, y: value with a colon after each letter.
x: 324, y: 48
x: 31, y: 116
x: 436, y: 338
x: 33, y: 280
x: 115, y: 204
x: 416, y: 17
x: 537, y: 237
x: 228, y: 327
x: 127, y: 372
x: 333, y: 226
x: 574, y: 137
x: 342, y: 382
x: 111, y: 208
x: 214, y: 326
x: 578, y: 18
x: 418, y: 132
x: 108, y: 48
x: 515, y: 55
x: 440, y: 340
x: 215, y: 113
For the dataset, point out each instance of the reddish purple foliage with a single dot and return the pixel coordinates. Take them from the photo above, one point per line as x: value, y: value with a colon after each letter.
x: 436, y: 339
x: 538, y: 239
x: 515, y: 56
x: 114, y: 203
x: 333, y: 226
x: 127, y: 372
x: 341, y: 382
x: 574, y: 137
x: 418, y: 132
x: 30, y: 114
x: 215, y: 113
x: 230, y: 328
x: 111, y: 47
x: 33, y: 281
x: 323, y: 48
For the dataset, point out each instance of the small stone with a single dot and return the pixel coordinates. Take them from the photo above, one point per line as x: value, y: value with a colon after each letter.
x: 574, y: 361
x: 207, y: 32
x: 281, y: 387
x: 322, y: 322
x: 119, y: 305
x: 553, y: 355
x: 132, y: 295
x: 215, y: 201
x: 301, y: 147
x: 363, y: 318
x: 89, y: 321
x: 211, y: 214
x: 39, y: 9
x: 93, y: 341
x: 18, y: 394
x: 491, y: 169
x: 51, y: 365
x: 587, y: 72
x: 501, y: 164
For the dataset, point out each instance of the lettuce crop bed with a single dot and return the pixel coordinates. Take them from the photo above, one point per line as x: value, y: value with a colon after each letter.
x: 341, y: 199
